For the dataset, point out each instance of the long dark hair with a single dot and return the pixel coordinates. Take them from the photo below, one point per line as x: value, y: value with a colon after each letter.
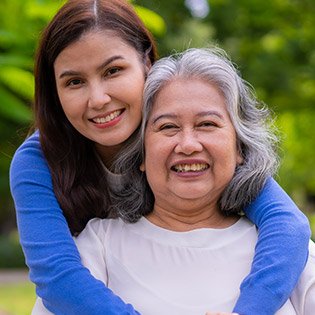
x: 77, y: 173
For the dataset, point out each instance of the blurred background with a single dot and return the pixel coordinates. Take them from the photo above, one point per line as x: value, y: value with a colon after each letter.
x: 272, y: 42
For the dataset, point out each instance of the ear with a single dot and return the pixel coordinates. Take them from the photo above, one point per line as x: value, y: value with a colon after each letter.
x: 147, y: 64
x: 239, y: 159
x: 142, y: 167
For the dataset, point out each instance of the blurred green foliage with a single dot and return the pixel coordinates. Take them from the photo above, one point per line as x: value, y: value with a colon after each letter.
x: 19, y: 27
x: 11, y: 255
x: 272, y: 42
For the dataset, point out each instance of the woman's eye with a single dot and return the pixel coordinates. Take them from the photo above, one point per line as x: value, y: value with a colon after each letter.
x: 208, y: 124
x: 74, y: 82
x: 112, y: 71
x: 167, y: 127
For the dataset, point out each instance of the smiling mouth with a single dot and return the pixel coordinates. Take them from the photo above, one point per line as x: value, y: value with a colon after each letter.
x: 195, y: 167
x: 108, y: 118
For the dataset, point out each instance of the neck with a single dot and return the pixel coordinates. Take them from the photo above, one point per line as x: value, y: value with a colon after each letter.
x: 182, y: 221
x: 108, y: 154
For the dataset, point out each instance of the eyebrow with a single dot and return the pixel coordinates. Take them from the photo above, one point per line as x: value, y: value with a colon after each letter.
x: 201, y: 114
x: 103, y: 65
x: 159, y: 117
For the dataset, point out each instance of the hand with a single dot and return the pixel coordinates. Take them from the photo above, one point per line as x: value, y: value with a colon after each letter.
x: 220, y: 313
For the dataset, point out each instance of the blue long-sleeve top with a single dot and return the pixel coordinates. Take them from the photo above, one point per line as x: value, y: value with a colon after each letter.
x: 67, y: 287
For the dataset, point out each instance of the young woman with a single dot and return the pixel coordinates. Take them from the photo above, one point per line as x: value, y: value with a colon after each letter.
x: 90, y: 70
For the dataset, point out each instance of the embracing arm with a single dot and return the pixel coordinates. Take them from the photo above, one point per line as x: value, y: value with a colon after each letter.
x: 65, y: 286
x: 280, y: 255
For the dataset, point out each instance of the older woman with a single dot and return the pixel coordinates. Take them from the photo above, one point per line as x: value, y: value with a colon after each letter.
x: 207, y: 153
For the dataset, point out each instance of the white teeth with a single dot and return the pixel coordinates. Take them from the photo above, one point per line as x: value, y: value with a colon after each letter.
x: 195, y: 167
x: 102, y: 120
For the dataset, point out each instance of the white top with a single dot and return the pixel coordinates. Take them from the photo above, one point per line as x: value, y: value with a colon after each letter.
x: 179, y: 273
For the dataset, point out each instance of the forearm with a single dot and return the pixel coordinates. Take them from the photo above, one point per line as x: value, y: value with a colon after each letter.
x: 65, y: 286
x: 280, y: 255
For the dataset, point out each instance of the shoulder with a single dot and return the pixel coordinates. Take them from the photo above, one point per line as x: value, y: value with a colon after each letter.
x: 29, y: 170
x: 29, y: 153
x: 97, y: 225
x: 99, y: 228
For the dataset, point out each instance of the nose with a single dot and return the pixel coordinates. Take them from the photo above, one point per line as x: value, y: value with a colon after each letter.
x: 98, y: 96
x: 188, y: 143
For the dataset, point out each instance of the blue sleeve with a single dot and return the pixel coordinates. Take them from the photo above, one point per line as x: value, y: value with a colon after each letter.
x: 65, y: 286
x: 280, y: 255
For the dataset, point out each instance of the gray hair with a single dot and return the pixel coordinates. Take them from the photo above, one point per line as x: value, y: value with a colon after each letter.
x: 256, y: 140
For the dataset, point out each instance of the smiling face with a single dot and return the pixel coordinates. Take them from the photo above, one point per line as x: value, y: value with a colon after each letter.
x: 190, y: 147
x: 99, y: 81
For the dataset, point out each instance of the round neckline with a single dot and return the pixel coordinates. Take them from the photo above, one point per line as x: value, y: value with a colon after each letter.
x: 199, y: 238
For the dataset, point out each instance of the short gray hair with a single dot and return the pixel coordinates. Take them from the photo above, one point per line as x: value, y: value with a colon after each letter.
x: 256, y: 140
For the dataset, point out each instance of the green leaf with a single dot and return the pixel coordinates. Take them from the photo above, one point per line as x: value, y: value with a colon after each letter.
x: 15, y: 60
x: 43, y: 10
x: 18, y: 80
x: 13, y: 109
x: 7, y: 38
x: 152, y: 20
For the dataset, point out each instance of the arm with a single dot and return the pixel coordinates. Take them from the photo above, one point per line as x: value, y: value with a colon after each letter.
x: 65, y: 286
x: 92, y: 253
x: 280, y: 255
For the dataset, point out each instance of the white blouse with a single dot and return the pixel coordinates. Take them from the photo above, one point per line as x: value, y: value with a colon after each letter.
x: 164, y: 272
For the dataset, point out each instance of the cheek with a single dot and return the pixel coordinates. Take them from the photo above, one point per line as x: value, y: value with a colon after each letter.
x: 135, y: 87
x: 149, y: 170
x: 72, y: 105
x: 225, y: 152
x: 154, y: 155
x: 137, y: 112
x: 136, y: 100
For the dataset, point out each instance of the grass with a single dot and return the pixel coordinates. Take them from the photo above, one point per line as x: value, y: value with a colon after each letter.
x: 17, y: 298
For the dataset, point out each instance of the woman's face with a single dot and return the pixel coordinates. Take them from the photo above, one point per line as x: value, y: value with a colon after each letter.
x: 190, y: 145
x: 100, y: 82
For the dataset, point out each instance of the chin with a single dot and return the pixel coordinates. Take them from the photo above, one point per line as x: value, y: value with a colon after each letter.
x: 192, y: 195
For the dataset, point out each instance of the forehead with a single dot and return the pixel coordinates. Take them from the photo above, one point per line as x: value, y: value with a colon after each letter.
x: 94, y: 43
x: 188, y: 95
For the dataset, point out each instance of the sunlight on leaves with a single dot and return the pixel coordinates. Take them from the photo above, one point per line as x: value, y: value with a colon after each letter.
x: 18, y: 80
x: 152, y: 20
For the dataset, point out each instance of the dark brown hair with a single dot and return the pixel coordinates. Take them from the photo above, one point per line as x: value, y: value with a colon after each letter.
x: 77, y: 173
